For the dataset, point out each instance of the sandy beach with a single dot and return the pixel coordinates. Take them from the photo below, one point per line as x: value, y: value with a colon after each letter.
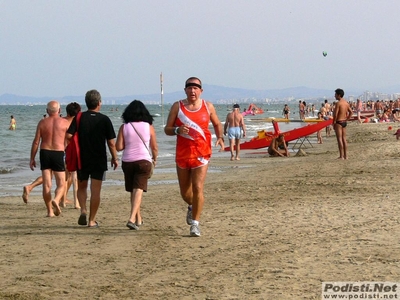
x: 272, y: 228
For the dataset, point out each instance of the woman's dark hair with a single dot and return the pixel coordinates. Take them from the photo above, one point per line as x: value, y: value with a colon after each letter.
x: 136, y: 111
x: 72, y: 109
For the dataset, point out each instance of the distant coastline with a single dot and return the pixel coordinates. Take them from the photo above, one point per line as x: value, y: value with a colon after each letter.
x: 220, y: 95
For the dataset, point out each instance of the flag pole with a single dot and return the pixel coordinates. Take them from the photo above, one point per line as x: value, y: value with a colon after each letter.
x: 162, y: 98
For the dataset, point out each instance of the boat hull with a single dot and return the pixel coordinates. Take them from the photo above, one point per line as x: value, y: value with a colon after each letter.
x: 363, y: 115
x: 291, y: 135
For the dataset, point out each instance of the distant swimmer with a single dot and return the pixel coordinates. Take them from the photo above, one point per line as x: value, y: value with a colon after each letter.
x: 13, y: 123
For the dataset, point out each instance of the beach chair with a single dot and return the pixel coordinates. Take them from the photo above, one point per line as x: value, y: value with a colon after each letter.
x: 301, y: 143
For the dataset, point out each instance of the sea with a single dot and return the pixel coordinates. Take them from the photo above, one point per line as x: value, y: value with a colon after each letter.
x: 15, y: 145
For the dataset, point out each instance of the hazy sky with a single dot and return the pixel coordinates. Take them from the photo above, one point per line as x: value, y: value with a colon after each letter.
x: 66, y: 47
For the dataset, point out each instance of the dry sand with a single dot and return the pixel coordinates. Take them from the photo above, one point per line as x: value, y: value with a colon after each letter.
x: 272, y: 228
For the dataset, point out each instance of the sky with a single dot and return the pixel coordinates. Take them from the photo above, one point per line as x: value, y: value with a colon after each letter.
x: 119, y: 47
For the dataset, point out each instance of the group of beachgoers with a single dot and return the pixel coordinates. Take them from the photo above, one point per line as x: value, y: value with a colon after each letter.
x: 381, y: 110
x: 377, y: 111
x: 385, y: 111
x: 309, y: 110
x: 188, y: 120
x: 340, y: 111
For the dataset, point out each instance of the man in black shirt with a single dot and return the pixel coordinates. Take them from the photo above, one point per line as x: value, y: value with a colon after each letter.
x: 94, y: 131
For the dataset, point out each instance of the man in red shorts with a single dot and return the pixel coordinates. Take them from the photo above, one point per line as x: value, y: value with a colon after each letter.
x: 188, y: 120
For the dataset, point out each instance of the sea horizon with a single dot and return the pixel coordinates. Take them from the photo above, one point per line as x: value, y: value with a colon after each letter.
x: 219, y: 95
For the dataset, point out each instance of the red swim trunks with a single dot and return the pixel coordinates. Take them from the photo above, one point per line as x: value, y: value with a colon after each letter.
x: 192, y: 163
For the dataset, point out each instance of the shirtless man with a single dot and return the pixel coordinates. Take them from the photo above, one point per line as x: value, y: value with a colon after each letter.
x: 323, y: 111
x: 301, y: 110
x: 278, y: 147
x: 378, y: 108
x: 341, y: 115
x: 234, y: 124
x: 49, y: 137
x: 72, y: 109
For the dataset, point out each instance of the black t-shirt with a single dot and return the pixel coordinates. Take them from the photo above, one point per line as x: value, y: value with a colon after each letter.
x: 93, y: 132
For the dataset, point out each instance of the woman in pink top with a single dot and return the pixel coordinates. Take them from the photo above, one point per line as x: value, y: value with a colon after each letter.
x: 137, y: 138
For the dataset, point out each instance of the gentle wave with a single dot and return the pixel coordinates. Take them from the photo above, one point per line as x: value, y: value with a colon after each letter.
x: 6, y: 170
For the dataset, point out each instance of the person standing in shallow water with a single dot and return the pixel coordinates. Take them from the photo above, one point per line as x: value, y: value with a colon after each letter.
x: 13, y: 123
x: 286, y: 111
x: 188, y: 119
x: 341, y: 115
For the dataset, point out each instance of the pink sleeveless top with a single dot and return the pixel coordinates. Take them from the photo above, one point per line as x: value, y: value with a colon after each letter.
x: 134, y: 148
